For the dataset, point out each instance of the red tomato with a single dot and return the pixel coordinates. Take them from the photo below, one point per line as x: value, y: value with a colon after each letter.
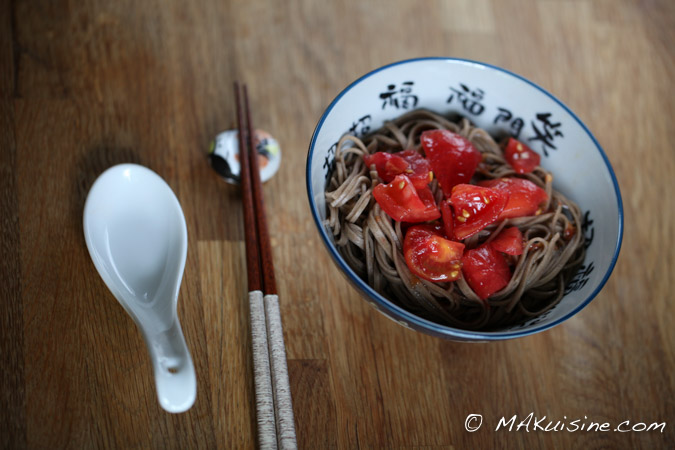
x: 408, y: 162
x: 525, y: 197
x: 485, y: 270
x: 419, y: 170
x: 430, y: 256
x: 402, y: 201
x: 427, y: 198
x: 570, y: 230
x: 475, y: 208
x: 388, y: 165
x: 509, y: 241
x: 446, y: 216
x: 521, y: 157
x: 453, y: 158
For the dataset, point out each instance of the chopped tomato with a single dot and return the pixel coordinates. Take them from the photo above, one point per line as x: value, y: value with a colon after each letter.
x: 408, y: 162
x: 402, y: 201
x: 525, y: 197
x: 475, y: 208
x: 427, y: 198
x: 446, y: 216
x: 485, y: 270
x: 509, y: 241
x: 521, y: 157
x: 388, y: 165
x: 419, y: 170
x: 430, y: 256
x: 453, y: 158
x: 570, y: 230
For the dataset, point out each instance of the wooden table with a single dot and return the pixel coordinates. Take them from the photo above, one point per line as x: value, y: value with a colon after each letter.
x: 86, y: 85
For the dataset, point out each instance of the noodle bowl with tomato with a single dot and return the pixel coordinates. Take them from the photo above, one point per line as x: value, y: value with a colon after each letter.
x: 456, y: 228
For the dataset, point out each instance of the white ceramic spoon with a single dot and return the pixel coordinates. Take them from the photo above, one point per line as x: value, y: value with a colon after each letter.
x: 136, y: 235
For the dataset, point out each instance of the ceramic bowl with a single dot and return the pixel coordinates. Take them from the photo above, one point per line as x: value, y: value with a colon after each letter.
x: 502, y: 103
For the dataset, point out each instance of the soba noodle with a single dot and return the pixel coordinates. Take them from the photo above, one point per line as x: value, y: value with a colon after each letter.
x: 371, y: 241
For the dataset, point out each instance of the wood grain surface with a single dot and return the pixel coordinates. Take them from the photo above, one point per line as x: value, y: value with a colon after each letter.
x: 88, y: 84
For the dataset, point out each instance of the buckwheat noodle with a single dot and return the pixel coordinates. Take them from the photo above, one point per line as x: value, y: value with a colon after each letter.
x: 371, y: 242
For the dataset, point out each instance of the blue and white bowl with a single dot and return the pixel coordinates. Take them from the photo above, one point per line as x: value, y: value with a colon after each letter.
x: 500, y: 102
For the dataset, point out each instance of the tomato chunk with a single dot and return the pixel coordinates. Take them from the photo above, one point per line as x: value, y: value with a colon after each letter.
x: 521, y: 157
x: 388, y: 165
x: 402, y: 201
x: 446, y: 216
x: 408, y: 162
x: 419, y: 170
x: 475, y: 208
x: 430, y: 256
x: 428, y: 199
x: 525, y: 197
x: 452, y: 157
x: 509, y: 241
x: 485, y: 270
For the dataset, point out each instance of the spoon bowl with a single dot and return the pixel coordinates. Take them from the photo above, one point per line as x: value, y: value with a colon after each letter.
x: 137, y: 238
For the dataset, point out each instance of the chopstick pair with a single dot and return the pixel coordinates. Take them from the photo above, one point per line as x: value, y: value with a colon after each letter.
x: 274, y: 407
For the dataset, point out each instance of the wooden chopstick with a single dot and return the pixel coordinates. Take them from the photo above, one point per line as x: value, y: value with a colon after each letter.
x: 267, y: 265
x: 261, y: 366
x: 274, y: 407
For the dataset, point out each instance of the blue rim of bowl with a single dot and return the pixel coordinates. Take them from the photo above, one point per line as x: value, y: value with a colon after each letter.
x: 406, y: 316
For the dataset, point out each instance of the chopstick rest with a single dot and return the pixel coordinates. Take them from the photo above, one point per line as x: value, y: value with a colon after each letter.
x: 225, y: 158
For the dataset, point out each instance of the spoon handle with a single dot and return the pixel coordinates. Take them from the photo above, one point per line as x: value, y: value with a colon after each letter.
x: 175, y: 377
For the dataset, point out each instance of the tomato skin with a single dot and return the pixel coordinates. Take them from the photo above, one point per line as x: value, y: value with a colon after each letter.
x: 475, y: 208
x: 408, y: 163
x: 448, y: 219
x: 419, y: 170
x: 388, y: 165
x: 485, y: 270
x: 509, y: 241
x: 429, y: 255
x: 452, y: 157
x: 403, y: 203
x: 428, y: 199
x: 521, y: 157
x: 525, y: 197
